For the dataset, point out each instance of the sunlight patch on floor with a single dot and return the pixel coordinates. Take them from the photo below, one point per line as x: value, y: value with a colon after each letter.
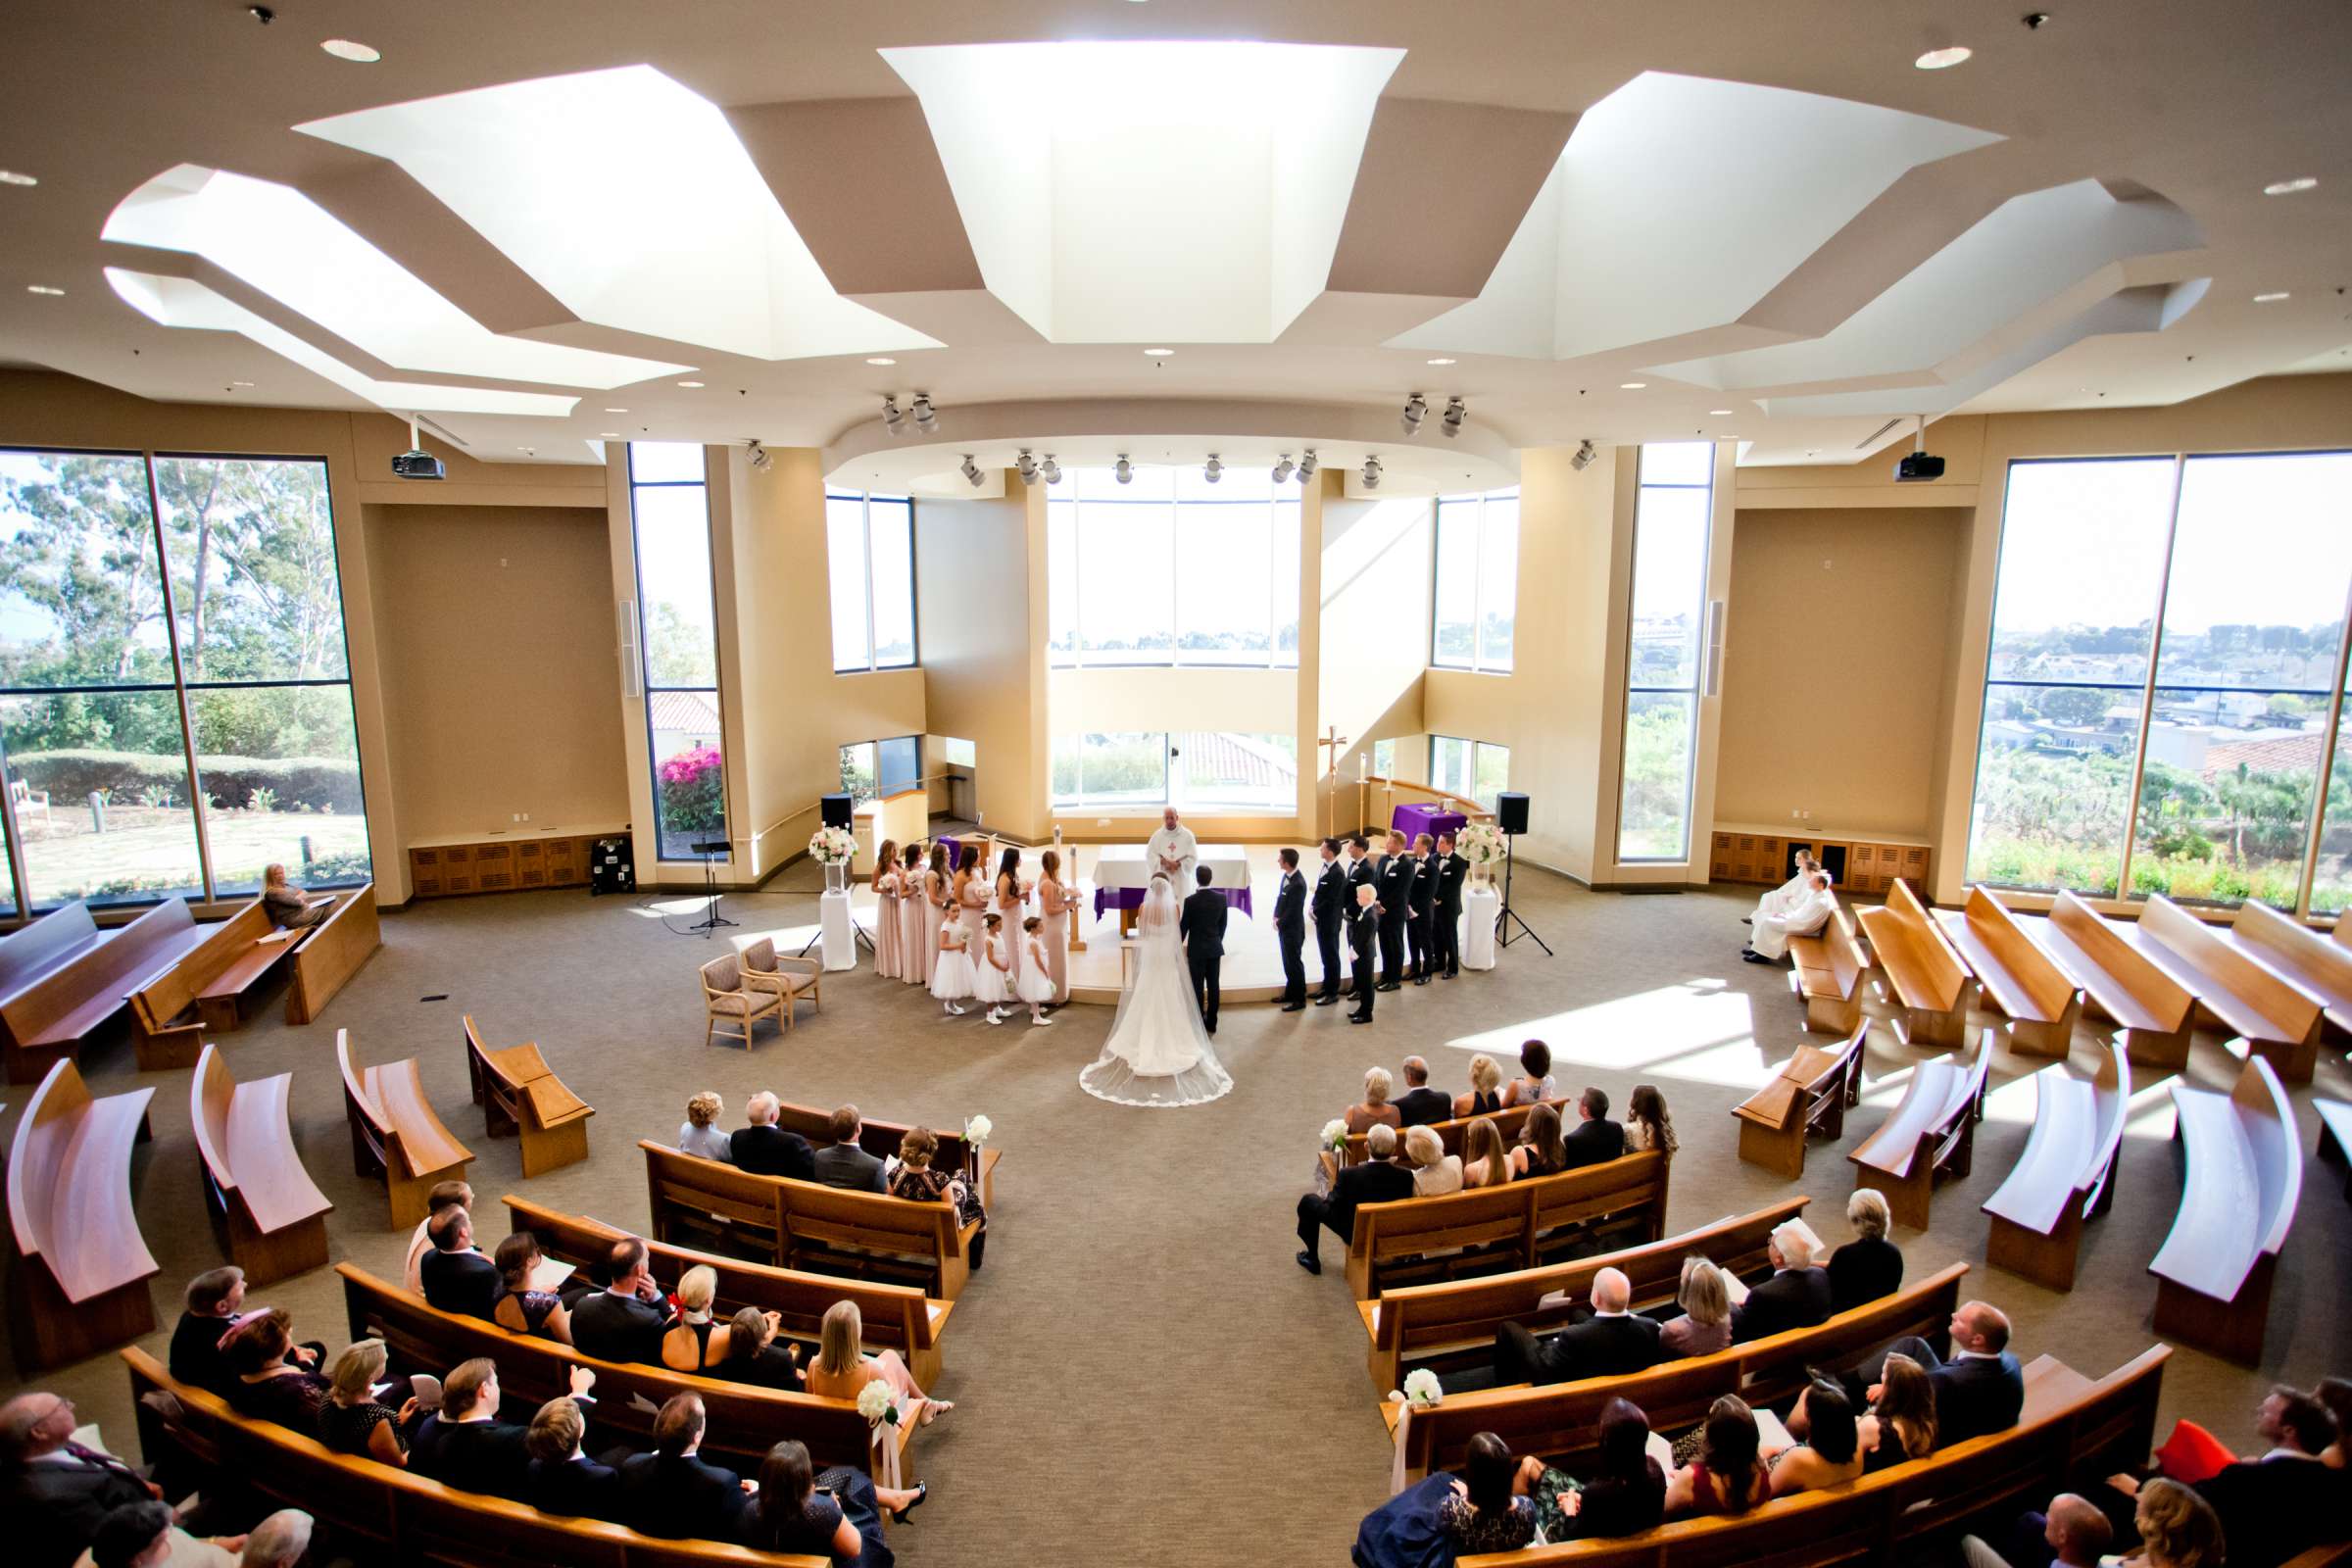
x: 1694, y: 1029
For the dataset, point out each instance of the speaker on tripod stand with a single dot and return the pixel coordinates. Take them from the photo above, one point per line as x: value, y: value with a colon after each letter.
x: 1511, y: 816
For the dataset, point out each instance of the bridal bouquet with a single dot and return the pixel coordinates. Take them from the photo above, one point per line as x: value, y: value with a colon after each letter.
x: 1420, y: 1391
x: 976, y: 1130
x: 1480, y: 844
x: 874, y: 1403
x: 1335, y: 1136
x: 833, y: 846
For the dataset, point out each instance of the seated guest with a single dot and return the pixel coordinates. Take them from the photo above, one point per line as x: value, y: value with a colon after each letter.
x: 1534, y: 1082
x: 464, y: 1444
x: 1420, y: 1105
x: 1485, y: 1161
x: 289, y: 907
x: 1705, y: 1324
x: 915, y: 1181
x: 271, y: 1384
x: 2335, y: 1397
x: 671, y: 1492
x: 1541, y: 1151
x: 281, y: 1541
x: 1485, y: 1509
x: 1596, y: 1140
x: 840, y: 1368
x: 1869, y: 1266
x: 1727, y: 1477
x: 1902, y: 1425
x: 766, y: 1150
x: 699, y: 1133
x: 1797, y: 1296
x: 1981, y: 1389
x: 1647, y: 1124
x: 520, y: 1308
x: 625, y: 1320
x: 836, y: 1514
x: 147, y: 1535
x: 53, y: 1491
x: 1832, y: 1451
x: 2284, y: 1502
x: 1376, y: 1180
x: 2178, y: 1529
x: 2074, y: 1533
x: 842, y: 1163
x: 1625, y: 1494
x: 1375, y: 1111
x: 750, y: 1353
x: 1803, y: 919
x: 1485, y: 1089
x: 1435, y: 1172
x: 1611, y: 1343
x: 212, y: 1308
x: 443, y: 1195
x: 458, y: 1278
x: 694, y: 1340
x: 1785, y: 896
x: 560, y: 1476
x: 352, y: 1421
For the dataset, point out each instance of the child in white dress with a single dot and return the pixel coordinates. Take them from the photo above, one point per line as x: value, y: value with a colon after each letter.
x: 992, y: 972
x: 1035, y: 982
x: 951, y: 976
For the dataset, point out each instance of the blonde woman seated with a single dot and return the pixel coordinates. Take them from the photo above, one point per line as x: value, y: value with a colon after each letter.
x: 2178, y: 1528
x: 1485, y: 1089
x: 1705, y: 1325
x: 1435, y: 1172
x: 1485, y: 1161
x: 1541, y: 1151
x: 841, y: 1369
x: 351, y: 1421
x: 1831, y: 1453
x: 1375, y: 1111
x: 699, y: 1134
x: 695, y: 1339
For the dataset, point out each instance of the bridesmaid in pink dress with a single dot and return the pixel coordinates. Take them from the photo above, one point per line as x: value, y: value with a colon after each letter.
x: 1010, y: 896
x: 887, y: 939
x: 971, y: 899
x: 1054, y: 904
x: 914, y: 961
x: 935, y: 904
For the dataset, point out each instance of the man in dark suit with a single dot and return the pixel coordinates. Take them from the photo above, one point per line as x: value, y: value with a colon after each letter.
x: 1362, y: 867
x: 2285, y: 1502
x: 1363, y: 938
x: 1332, y: 899
x: 1422, y: 908
x: 213, y: 1303
x: 1797, y: 1296
x: 1376, y: 1180
x: 1596, y: 1140
x: 623, y: 1321
x: 1396, y: 908
x: 1420, y: 1106
x: 1609, y: 1344
x: 842, y: 1163
x: 457, y: 1278
x: 1202, y: 926
x: 672, y: 1492
x: 53, y: 1490
x: 1981, y: 1389
x: 1445, y: 910
x: 1290, y: 931
x: 562, y: 1478
x: 766, y: 1150
x: 464, y: 1444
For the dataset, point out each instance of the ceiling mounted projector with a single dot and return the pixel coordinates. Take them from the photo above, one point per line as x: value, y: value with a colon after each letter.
x: 416, y: 463
x: 1917, y: 467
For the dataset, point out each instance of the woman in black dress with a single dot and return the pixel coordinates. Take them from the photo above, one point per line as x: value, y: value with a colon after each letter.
x: 269, y: 1385
x: 1625, y: 1494
x: 753, y: 1356
x: 915, y: 1181
x: 519, y: 1309
x: 1869, y: 1266
x: 830, y: 1515
x: 351, y: 1421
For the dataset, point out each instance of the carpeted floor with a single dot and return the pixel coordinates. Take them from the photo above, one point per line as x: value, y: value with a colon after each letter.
x: 1143, y: 1374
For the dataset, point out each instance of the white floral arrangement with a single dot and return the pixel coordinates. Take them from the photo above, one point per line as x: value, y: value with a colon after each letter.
x: 833, y: 846
x: 1335, y: 1136
x: 874, y: 1403
x: 1479, y: 843
x: 1420, y: 1391
x: 976, y: 1130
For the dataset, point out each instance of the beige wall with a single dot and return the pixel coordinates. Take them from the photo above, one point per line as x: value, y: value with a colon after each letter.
x: 980, y: 613
x: 1836, y: 657
x: 1372, y: 648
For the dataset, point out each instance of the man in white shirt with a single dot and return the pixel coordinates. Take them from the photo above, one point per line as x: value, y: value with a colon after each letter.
x: 1174, y: 852
x: 1789, y: 893
x: 1770, y: 944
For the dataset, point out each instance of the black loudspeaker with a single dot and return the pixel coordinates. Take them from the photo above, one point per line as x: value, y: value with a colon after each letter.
x: 1510, y: 811
x: 839, y: 809
x: 612, y: 867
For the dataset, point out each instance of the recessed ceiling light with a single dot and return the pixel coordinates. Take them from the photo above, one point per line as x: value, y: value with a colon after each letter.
x: 1159, y: 354
x: 607, y: 435
x: 881, y: 359
x: 240, y: 383
x: 1719, y: 414
x: 690, y: 386
x: 2284, y: 187
x: 1441, y: 362
x: 359, y: 54
x: 2271, y: 298
x: 9, y: 177
x: 1630, y: 386
x: 41, y: 288
x: 1942, y: 59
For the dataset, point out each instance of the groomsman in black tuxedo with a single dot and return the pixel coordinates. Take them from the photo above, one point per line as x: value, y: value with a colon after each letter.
x: 1331, y: 916
x: 1396, y: 907
x: 1363, y: 932
x: 1289, y: 930
x: 1424, y: 897
x: 1446, y: 914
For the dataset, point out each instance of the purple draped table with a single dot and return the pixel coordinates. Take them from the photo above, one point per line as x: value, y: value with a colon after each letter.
x: 1412, y: 820
x: 1128, y: 900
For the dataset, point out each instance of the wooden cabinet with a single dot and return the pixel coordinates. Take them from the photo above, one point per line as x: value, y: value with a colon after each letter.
x: 1872, y: 865
x: 502, y: 865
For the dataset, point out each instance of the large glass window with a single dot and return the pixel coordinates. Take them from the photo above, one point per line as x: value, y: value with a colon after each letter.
x: 1479, y: 771
x: 1185, y: 769
x: 1475, y: 581
x: 872, y: 769
x: 2233, y: 654
x: 671, y: 508
x: 869, y: 557
x: 1672, y: 523
x: 1171, y: 570
x: 136, y: 590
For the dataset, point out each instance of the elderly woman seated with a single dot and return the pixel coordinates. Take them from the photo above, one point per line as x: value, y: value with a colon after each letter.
x: 1435, y: 1171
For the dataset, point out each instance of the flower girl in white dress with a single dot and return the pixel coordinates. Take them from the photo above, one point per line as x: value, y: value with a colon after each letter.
x: 992, y: 971
x: 951, y: 976
x: 1034, y: 983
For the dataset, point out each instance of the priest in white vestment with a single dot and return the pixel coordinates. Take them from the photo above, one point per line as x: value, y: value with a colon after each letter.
x: 1789, y: 893
x: 1811, y: 913
x: 1172, y: 851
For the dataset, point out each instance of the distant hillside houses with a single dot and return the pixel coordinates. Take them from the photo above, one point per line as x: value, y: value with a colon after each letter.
x: 2206, y: 733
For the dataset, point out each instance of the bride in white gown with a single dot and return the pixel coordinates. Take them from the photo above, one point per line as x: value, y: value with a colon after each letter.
x: 1158, y: 1053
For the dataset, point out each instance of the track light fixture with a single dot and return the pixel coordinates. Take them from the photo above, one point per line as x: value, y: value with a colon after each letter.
x: 1281, y: 470
x: 927, y: 418
x: 1050, y: 471
x: 760, y: 458
x: 1584, y: 454
x: 1213, y: 470
x: 1026, y: 467
x: 1451, y: 425
x: 1372, y: 474
x: 1306, y: 466
x: 971, y: 472
x: 894, y: 417
x: 1416, y: 409
x: 1123, y: 470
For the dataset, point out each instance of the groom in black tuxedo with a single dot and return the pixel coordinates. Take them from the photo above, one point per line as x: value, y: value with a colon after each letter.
x: 1202, y: 927
x: 1289, y: 932
x: 1331, y: 914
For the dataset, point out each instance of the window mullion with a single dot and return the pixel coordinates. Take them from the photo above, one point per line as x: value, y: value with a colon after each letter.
x: 197, y: 815
x: 865, y: 531
x: 2318, y: 826
x: 2147, y: 691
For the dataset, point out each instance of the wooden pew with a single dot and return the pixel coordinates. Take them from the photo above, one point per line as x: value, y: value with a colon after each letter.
x: 333, y: 952
x: 1827, y: 976
x: 48, y: 943
x: 1506, y: 1227
x: 1421, y: 1324
x: 1809, y: 1095
x: 2237, y: 1202
x: 2040, y: 999
x: 2154, y: 1010
x: 380, y: 1513
x: 2300, y: 956
x: 1454, y: 1131
x: 2067, y: 1173
x: 2071, y: 1431
x: 897, y: 1317
x: 519, y: 1092
x: 880, y: 1139
x: 79, y: 1283
x: 1562, y: 1421
x: 267, y: 1212
x: 745, y: 1419
x: 1924, y: 976
x: 172, y: 1013
x: 394, y: 1134
x: 49, y: 1019
x: 2278, y: 1022
x: 2335, y: 1132
x: 1931, y: 1133
x: 806, y: 1225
